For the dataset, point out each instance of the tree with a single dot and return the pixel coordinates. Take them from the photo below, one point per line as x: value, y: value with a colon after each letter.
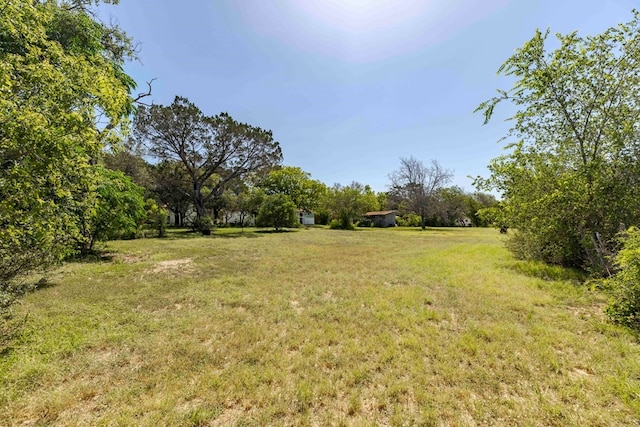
x: 572, y: 176
x: 478, y: 206
x: 119, y: 209
x: 452, y: 206
x: 277, y: 211
x: 292, y: 181
x: 132, y: 163
x: 416, y: 186
x: 63, y: 96
x: 347, y: 203
x: 213, y: 150
x: 171, y: 186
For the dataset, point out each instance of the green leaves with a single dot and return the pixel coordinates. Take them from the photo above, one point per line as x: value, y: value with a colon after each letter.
x: 58, y: 79
x: 571, y: 175
x: 213, y: 151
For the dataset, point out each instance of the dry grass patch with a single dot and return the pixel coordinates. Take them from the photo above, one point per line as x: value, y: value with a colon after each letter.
x: 319, y: 327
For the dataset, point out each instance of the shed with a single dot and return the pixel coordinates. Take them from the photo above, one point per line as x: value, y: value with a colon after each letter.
x: 382, y: 218
x: 306, y: 218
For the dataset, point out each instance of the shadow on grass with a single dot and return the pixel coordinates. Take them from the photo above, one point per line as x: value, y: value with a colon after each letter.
x: 431, y: 229
x: 217, y: 233
x: 274, y: 231
x: 548, y: 272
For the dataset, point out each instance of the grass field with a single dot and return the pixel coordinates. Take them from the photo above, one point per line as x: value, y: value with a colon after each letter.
x: 318, y: 327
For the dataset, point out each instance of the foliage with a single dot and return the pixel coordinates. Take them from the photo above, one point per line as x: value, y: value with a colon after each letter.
x: 624, y: 306
x: 244, y: 201
x: 277, y: 211
x: 119, y: 209
x: 347, y: 203
x: 305, y: 192
x: 63, y: 97
x: 132, y: 163
x: 212, y: 150
x: 572, y: 176
x: 416, y: 186
x: 409, y: 220
x: 156, y: 217
x: 171, y: 186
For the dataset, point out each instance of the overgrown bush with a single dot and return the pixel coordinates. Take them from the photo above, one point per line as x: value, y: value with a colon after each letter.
x: 202, y: 225
x: 337, y: 224
x: 409, y: 220
x: 624, y: 306
x: 277, y: 211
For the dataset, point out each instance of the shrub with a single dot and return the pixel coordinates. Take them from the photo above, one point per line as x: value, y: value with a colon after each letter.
x: 277, y: 211
x: 624, y: 306
x: 336, y: 224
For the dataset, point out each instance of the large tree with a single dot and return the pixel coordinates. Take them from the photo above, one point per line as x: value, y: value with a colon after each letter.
x: 416, y: 186
x: 172, y: 188
x: 571, y: 179
x: 304, y: 192
x: 349, y: 202
x: 213, y: 149
x: 63, y: 95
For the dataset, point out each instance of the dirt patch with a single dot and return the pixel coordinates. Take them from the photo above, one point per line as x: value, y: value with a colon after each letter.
x: 184, y: 265
x: 123, y: 258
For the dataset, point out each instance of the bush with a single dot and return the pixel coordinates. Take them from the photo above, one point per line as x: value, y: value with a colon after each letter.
x: 624, y: 306
x: 202, y: 225
x: 277, y: 211
x: 340, y: 225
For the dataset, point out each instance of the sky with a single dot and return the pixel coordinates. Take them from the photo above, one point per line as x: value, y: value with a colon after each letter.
x: 349, y: 87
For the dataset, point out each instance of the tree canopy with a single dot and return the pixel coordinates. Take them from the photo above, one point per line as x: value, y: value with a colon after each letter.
x: 63, y: 95
x: 212, y: 149
x: 417, y: 186
x: 571, y: 179
x: 304, y: 192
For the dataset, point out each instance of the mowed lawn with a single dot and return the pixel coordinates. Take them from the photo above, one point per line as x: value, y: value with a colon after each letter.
x: 318, y: 327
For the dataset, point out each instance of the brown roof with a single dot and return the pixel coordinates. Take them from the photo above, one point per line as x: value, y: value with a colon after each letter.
x: 379, y: 213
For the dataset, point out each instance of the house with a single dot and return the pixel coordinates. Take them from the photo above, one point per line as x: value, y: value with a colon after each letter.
x: 465, y: 221
x: 237, y: 218
x: 306, y: 218
x: 382, y: 218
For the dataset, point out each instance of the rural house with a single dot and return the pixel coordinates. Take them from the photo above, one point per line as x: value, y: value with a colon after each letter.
x: 382, y: 218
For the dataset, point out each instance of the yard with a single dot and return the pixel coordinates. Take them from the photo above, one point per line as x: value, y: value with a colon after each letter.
x: 318, y: 327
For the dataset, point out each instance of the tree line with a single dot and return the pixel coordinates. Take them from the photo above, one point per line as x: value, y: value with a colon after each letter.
x: 75, y: 138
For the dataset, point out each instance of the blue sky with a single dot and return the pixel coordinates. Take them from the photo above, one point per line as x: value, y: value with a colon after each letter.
x: 350, y: 86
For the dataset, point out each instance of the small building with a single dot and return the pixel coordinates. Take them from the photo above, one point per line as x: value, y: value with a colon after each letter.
x: 239, y: 219
x: 306, y: 218
x: 465, y: 221
x: 382, y: 218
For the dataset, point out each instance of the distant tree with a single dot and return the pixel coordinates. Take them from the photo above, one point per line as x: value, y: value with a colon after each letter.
x: 417, y: 186
x: 277, y: 211
x: 478, y: 202
x: 347, y: 203
x: 452, y: 206
x: 156, y: 217
x: 572, y: 175
x: 292, y: 181
x: 214, y: 150
x: 132, y: 163
x: 172, y: 188
x: 243, y: 200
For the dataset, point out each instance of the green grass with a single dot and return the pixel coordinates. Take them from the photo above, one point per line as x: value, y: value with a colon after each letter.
x: 318, y: 327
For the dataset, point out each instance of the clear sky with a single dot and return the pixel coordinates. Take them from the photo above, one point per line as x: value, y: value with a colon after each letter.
x: 350, y: 86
